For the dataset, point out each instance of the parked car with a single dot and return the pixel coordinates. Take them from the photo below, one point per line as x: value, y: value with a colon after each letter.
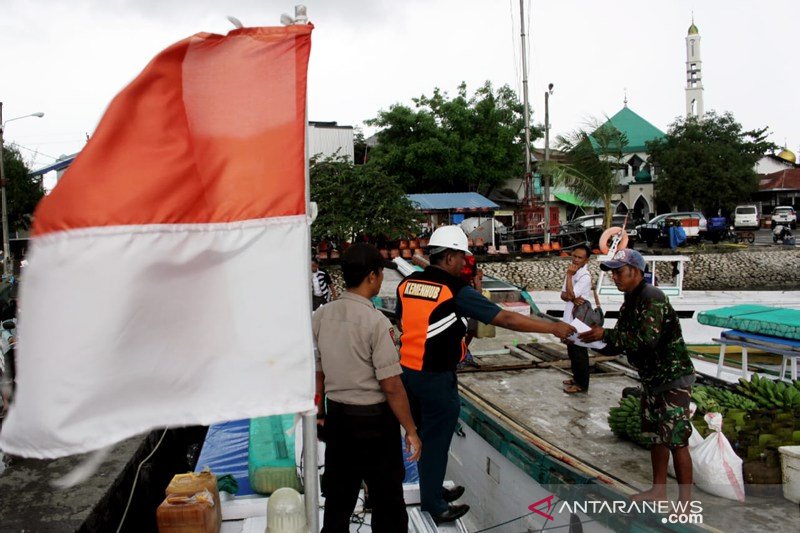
x: 745, y: 217
x: 589, y: 228
x: 784, y: 215
x: 694, y: 224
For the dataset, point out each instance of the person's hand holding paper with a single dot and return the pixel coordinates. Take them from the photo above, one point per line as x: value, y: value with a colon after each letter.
x: 589, y: 337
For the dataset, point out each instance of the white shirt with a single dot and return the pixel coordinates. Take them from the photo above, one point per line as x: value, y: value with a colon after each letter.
x: 581, y: 287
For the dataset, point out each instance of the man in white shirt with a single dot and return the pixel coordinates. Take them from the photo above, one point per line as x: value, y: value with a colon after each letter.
x: 322, y: 287
x: 577, y: 289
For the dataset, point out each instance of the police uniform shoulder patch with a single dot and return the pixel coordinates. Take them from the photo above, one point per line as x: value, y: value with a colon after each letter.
x: 425, y: 291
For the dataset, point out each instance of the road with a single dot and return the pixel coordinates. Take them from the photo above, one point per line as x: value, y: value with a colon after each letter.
x: 763, y: 239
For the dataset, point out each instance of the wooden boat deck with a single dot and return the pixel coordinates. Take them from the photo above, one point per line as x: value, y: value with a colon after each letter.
x: 531, y: 403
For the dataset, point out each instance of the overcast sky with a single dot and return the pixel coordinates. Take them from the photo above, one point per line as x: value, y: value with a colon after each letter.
x: 68, y: 58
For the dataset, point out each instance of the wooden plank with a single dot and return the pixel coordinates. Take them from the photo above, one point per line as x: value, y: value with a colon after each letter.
x: 542, y: 351
x: 565, y: 363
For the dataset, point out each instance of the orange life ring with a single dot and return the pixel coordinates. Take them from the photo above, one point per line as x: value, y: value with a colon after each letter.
x: 609, y: 234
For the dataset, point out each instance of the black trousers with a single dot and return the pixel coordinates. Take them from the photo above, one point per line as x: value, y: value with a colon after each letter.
x: 363, y: 443
x: 579, y: 356
x: 435, y: 405
x: 317, y: 301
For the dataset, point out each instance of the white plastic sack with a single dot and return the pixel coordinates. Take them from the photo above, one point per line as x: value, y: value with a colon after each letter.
x: 717, y: 469
x: 695, y: 439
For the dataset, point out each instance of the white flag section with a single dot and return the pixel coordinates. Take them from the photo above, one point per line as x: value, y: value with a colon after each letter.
x: 193, y: 325
x: 168, y: 278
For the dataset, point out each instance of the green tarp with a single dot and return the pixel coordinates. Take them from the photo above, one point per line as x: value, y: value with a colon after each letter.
x: 758, y: 319
x: 570, y: 198
x: 271, y: 461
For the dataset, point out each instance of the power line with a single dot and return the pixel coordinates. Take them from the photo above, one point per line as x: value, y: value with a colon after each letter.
x: 35, y: 152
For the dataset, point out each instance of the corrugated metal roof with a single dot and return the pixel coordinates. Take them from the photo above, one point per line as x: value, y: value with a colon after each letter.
x: 452, y: 200
x: 788, y: 179
x: 58, y: 165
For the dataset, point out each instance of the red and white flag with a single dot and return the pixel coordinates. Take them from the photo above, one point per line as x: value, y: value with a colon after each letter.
x: 168, y: 278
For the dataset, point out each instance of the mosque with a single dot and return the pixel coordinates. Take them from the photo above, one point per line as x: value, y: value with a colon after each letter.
x: 780, y: 174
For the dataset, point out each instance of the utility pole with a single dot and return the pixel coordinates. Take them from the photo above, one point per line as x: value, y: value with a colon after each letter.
x: 546, y: 173
x: 526, y: 112
x: 6, y: 243
x: 7, y: 270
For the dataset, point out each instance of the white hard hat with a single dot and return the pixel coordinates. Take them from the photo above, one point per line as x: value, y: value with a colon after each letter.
x: 451, y: 237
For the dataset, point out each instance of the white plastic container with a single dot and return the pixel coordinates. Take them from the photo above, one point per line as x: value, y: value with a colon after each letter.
x: 790, y: 464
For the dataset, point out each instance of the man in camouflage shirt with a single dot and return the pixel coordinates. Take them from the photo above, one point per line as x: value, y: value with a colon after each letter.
x: 649, y: 333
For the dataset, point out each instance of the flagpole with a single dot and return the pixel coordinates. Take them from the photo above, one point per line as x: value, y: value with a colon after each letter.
x: 310, y: 467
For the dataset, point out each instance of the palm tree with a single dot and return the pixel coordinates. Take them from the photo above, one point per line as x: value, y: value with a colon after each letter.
x: 592, y: 163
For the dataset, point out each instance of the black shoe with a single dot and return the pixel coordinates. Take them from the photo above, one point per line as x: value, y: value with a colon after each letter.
x: 451, y: 495
x: 453, y: 513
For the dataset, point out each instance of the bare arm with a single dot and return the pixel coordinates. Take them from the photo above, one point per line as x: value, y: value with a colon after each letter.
x: 398, y: 401
x: 570, y: 290
x: 517, y: 322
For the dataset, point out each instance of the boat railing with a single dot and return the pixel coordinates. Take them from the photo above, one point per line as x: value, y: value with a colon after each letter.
x: 663, y: 271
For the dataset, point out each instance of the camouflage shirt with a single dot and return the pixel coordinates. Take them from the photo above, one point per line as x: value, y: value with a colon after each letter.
x: 649, y: 333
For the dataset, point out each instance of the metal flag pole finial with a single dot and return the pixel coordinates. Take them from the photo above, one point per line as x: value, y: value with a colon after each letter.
x: 300, y: 16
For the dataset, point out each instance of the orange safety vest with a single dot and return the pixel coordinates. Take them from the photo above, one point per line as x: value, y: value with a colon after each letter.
x: 433, y: 330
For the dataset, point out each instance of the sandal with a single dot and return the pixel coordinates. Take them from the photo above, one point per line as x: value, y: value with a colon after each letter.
x: 568, y: 382
x: 572, y: 389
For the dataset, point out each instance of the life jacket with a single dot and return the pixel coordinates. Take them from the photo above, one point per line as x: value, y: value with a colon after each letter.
x: 433, y: 330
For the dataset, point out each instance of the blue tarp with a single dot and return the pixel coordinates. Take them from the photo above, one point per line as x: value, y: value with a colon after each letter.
x: 677, y: 236
x: 225, y: 451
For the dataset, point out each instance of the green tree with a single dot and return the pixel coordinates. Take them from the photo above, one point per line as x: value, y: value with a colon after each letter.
x: 22, y: 191
x: 355, y: 199
x: 592, y: 163
x: 456, y: 144
x: 359, y: 147
x: 707, y: 164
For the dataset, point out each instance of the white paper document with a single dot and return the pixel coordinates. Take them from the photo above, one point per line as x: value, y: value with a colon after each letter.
x: 580, y: 327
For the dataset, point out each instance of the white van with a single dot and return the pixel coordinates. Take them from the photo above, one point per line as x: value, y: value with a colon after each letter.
x: 746, y: 217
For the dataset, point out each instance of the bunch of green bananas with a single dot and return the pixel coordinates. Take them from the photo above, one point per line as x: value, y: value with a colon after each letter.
x: 618, y: 416
x: 706, y: 402
x: 769, y: 394
x: 625, y: 420
x: 709, y: 398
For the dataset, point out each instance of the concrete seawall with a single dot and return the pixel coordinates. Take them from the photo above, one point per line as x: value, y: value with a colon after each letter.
x: 749, y: 269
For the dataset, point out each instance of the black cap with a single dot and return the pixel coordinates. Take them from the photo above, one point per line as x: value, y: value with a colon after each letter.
x: 363, y: 257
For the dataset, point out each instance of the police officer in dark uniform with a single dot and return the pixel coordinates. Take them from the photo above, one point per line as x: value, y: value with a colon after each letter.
x: 432, y: 310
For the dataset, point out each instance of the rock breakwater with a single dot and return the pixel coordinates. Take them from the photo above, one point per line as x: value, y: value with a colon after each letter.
x: 751, y: 269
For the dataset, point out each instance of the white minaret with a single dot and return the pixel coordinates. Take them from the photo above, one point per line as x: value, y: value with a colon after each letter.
x: 694, y: 80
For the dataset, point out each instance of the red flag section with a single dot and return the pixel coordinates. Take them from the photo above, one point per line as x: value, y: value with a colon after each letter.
x: 208, y: 132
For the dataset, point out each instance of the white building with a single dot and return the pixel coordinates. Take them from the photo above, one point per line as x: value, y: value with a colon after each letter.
x: 326, y: 139
x: 775, y: 163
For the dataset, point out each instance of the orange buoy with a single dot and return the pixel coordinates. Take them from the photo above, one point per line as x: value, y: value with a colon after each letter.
x: 609, y: 234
